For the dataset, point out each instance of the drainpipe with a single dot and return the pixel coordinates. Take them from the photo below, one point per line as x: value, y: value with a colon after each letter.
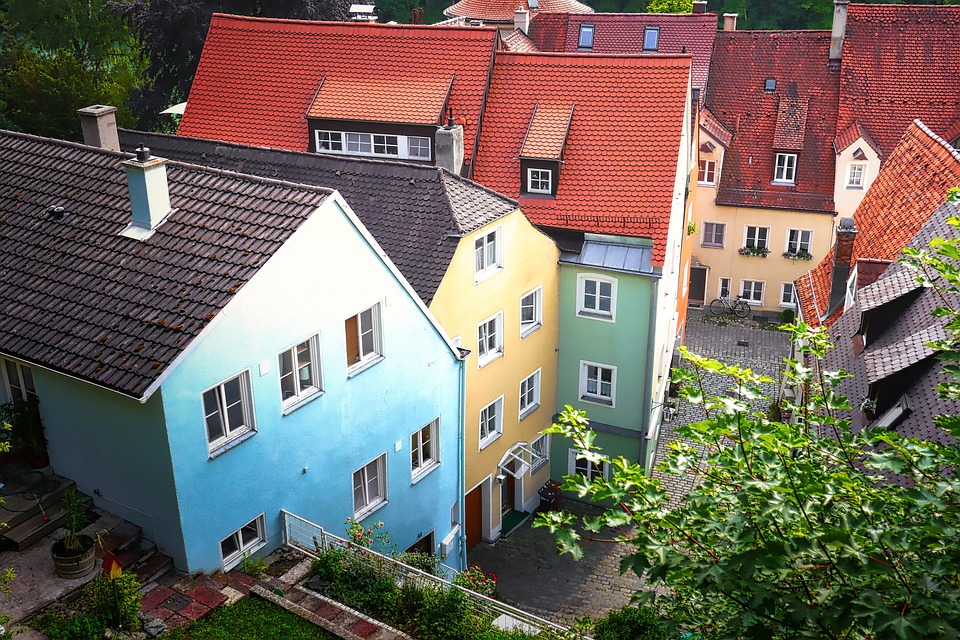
x: 461, y: 453
x: 647, y: 426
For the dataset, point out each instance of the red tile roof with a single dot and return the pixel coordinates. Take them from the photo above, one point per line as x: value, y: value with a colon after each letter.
x: 503, y: 10
x: 899, y: 63
x: 710, y: 124
x: 623, y: 33
x: 850, y: 135
x: 517, y: 40
x: 735, y: 95
x: 400, y: 100
x: 258, y: 77
x: 911, y: 185
x: 791, y: 123
x: 620, y: 162
x: 547, y: 132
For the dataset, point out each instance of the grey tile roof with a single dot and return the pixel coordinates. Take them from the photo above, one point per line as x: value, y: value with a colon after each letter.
x: 900, y: 282
x: 883, y: 362
x: 78, y: 298
x: 414, y: 211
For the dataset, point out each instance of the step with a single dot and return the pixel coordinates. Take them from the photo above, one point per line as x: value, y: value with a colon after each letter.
x: 38, y: 525
x: 153, y: 567
x: 18, y: 508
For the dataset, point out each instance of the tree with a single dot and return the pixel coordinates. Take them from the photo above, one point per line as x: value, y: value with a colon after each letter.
x: 794, y: 530
x: 670, y: 6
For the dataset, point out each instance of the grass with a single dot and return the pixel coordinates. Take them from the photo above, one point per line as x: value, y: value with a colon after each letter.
x: 250, y: 619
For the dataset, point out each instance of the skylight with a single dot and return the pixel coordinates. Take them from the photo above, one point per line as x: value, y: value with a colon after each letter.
x: 770, y: 84
x: 651, y: 39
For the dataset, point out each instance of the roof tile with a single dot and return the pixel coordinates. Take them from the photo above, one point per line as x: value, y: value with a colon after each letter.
x: 503, y: 10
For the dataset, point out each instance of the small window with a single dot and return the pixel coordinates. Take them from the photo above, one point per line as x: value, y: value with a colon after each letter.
x: 539, y: 181
x: 713, y: 234
x: 370, y: 486
x: 490, y: 339
x: 598, y: 383
x: 228, y: 410
x: 487, y: 254
x: 531, y: 312
x: 243, y: 541
x: 788, y: 297
x: 541, y: 453
x: 770, y: 84
x: 386, y: 145
x: 752, y: 291
x: 586, y: 37
x: 418, y: 147
x: 329, y: 141
x: 424, y: 449
x: 786, y: 168
x: 708, y: 172
x: 856, y: 173
x: 299, y: 372
x: 799, y: 241
x: 491, y: 422
x: 530, y: 394
x: 359, y: 143
x: 596, y: 297
x: 757, y: 237
x: 363, y: 339
x: 19, y: 381
x: 580, y: 466
x: 651, y: 39
x: 723, y: 291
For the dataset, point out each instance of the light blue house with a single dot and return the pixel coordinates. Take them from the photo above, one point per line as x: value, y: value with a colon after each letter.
x: 236, y: 347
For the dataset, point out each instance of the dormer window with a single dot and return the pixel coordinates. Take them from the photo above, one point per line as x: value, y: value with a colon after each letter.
x: 785, y: 171
x: 539, y: 181
x: 651, y: 39
x: 373, y: 144
x: 586, y: 37
x: 770, y: 85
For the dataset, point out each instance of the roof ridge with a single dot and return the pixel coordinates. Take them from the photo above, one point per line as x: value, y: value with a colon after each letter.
x: 593, y: 58
x: 223, y: 17
x: 940, y: 141
x: 447, y: 173
x: 65, y: 143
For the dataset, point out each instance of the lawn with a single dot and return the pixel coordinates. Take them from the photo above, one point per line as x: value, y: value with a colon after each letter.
x: 250, y: 619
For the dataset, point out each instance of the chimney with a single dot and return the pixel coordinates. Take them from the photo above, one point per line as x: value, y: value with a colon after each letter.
x: 449, y: 148
x: 839, y: 28
x: 699, y: 6
x: 842, y: 262
x: 521, y: 19
x: 149, y: 194
x: 730, y: 21
x: 99, y: 123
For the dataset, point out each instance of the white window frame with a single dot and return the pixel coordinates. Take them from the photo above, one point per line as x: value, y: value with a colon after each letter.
x: 229, y: 434
x: 529, y: 394
x: 655, y: 33
x: 361, y: 480
x: 586, y: 30
x: 369, y: 357
x: 752, y: 299
x: 785, y: 168
x: 707, y: 168
x: 360, y: 143
x: 710, y: 240
x: 598, y: 397
x: 490, y: 430
x: 490, y: 339
x: 755, y: 236
x: 573, y: 461
x: 302, y: 388
x: 856, y: 181
x: 532, y: 302
x: 798, y: 244
x: 419, y: 147
x: 540, y: 446
x: 539, y: 180
x: 595, y: 312
x: 21, y: 385
x: 724, y: 287
x: 425, y: 449
x: 784, y: 302
x: 330, y: 141
x: 487, y: 253
x: 244, y: 547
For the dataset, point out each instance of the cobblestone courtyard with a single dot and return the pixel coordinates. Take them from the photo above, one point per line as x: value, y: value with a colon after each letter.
x: 530, y: 573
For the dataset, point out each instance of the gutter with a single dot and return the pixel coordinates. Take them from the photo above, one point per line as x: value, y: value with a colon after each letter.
x: 461, y: 453
x: 647, y: 427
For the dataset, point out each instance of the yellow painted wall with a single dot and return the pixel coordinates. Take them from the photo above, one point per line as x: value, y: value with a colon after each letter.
x: 461, y: 304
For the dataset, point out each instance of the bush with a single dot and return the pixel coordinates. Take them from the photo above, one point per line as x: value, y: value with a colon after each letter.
x: 116, y: 601
x: 329, y: 565
x: 445, y: 615
x: 787, y: 316
x: 630, y: 623
x: 476, y: 580
x: 82, y: 627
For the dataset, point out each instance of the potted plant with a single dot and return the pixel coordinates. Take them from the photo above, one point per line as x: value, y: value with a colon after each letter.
x: 751, y: 250
x: 73, y: 554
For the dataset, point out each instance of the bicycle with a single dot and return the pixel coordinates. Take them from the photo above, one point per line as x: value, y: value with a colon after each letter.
x: 740, y: 308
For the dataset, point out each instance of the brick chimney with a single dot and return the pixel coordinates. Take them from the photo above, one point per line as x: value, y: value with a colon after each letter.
x: 149, y: 193
x: 521, y: 19
x: 730, y: 21
x: 842, y: 262
x: 700, y: 6
x: 449, y: 147
x: 839, y: 28
x: 99, y: 123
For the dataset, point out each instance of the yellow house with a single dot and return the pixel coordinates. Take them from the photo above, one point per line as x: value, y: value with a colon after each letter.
x: 498, y: 300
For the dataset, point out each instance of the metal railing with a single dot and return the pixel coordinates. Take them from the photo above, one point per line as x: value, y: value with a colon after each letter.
x: 311, y: 540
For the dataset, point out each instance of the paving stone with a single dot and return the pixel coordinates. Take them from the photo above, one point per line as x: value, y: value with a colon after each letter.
x: 205, y: 595
x: 233, y: 596
x: 296, y: 595
x: 160, y: 613
x: 176, y: 602
x: 363, y: 628
x: 327, y: 611
x: 194, y: 610
x: 176, y: 620
x: 155, y: 596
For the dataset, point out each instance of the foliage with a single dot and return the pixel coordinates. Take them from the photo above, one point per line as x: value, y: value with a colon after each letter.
x: 117, y: 600
x: 254, y: 567
x: 75, y: 519
x: 445, y: 615
x: 762, y: 252
x: 630, y: 623
x: 798, y: 255
x: 670, y: 6
x: 474, y: 578
x: 88, y: 626
x: 794, y: 530
x: 329, y: 564
x: 250, y: 619
x: 787, y: 316
x: 23, y: 428
x: 691, y: 228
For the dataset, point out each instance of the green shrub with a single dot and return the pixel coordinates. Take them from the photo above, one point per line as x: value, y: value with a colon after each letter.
x: 329, y: 565
x: 630, y: 623
x: 254, y: 567
x: 446, y: 615
x: 82, y: 627
x: 117, y: 601
x: 787, y: 316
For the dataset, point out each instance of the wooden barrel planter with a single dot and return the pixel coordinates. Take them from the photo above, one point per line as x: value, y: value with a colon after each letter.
x: 73, y: 564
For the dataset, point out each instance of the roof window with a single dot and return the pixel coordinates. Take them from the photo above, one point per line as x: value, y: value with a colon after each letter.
x: 533, y: 4
x: 586, y: 37
x: 895, y: 414
x: 770, y: 84
x: 651, y: 39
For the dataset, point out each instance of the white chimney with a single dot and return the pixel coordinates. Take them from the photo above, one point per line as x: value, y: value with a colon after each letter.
x: 99, y: 123
x: 730, y: 21
x: 699, y: 6
x: 521, y: 19
x: 149, y: 194
x: 839, y: 28
x: 449, y: 148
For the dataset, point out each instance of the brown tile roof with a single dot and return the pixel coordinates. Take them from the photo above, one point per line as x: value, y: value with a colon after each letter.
x: 883, y: 362
x: 83, y: 300
x: 742, y: 62
x: 900, y: 63
x: 399, y: 100
x: 851, y: 134
x: 518, y: 41
x: 500, y: 11
x: 547, y: 133
x: 710, y: 124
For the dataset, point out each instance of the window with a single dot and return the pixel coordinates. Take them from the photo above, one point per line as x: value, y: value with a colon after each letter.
x: 491, y: 422
x: 770, y: 84
x: 752, y: 291
x: 370, y: 486
x: 539, y: 181
x: 586, y: 36
x: 19, y: 381
x: 486, y: 251
x: 756, y: 237
x: 651, y: 39
x: 299, y: 372
x: 490, y: 339
x: 531, y: 312
x: 596, y: 297
x: 329, y: 141
x: 708, y: 172
x: 386, y: 145
x: 580, y: 466
x: 228, y: 410
x: 856, y: 172
x: 375, y: 144
x: 418, y: 147
x: 799, y: 240
x: 529, y: 394
x: 359, y: 143
x: 788, y: 297
x: 541, y: 453
x: 244, y: 540
x: 723, y: 290
x: 363, y: 338
x: 424, y: 449
x: 597, y: 382
x: 713, y: 233
x: 786, y: 168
